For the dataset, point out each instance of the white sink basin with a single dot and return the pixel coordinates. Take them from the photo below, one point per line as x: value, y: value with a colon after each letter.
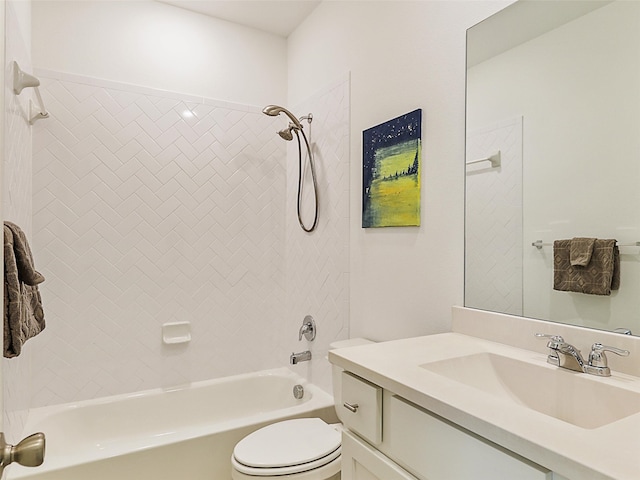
x: 572, y: 397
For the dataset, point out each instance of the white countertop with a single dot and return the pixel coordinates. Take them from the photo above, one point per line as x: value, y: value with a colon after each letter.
x: 611, y: 451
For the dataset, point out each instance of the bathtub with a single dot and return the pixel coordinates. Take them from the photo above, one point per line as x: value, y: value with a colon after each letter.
x: 183, y: 433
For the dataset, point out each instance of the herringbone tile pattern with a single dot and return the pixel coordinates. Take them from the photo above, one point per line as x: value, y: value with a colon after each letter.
x: 493, y: 231
x: 317, y: 265
x: 151, y: 208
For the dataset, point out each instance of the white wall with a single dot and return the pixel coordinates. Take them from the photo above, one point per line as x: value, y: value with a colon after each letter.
x: 580, y: 163
x: 161, y: 46
x: 402, y: 56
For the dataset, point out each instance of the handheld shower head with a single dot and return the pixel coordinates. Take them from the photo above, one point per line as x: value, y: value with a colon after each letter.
x: 287, y: 134
x: 275, y: 110
x: 272, y: 110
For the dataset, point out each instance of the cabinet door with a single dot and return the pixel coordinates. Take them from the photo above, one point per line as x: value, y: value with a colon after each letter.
x: 363, y: 462
x: 435, y: 449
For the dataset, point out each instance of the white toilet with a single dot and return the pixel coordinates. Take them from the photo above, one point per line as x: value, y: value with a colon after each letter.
x: 299, y: 449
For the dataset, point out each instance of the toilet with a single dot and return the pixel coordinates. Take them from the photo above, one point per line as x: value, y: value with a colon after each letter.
x: 298, y: 449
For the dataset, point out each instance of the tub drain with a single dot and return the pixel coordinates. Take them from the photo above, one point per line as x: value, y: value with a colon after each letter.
x: 298, y: 391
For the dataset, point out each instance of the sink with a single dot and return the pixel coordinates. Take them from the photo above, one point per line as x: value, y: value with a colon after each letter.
x: 572, y: 397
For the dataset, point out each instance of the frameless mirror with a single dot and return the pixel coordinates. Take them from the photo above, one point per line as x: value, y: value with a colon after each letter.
x: 553, y: 144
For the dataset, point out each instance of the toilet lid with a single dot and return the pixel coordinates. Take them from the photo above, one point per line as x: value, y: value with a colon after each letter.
x: 287, y: 443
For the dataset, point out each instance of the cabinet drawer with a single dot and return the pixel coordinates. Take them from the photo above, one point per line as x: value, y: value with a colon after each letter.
x: 436, y: 449
x: 362, y: 407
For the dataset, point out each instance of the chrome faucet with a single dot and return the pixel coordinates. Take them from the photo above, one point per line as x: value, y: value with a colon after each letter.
x: 300, y: 357
x: 567, y: 356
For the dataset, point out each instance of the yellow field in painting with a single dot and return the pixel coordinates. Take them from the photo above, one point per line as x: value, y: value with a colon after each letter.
x: 395, y: 159
x: 396, y: 201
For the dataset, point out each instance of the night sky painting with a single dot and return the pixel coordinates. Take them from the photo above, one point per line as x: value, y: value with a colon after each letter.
x: 391, y: 172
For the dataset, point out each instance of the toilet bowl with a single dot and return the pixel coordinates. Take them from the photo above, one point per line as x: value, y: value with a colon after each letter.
x: 298, y: 449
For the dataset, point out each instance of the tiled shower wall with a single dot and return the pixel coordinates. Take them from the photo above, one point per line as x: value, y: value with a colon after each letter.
x: 152, y: 207
x: 17, y: 205
x: 149, y: 208
x: 317, y: 264
x: 493, y: 231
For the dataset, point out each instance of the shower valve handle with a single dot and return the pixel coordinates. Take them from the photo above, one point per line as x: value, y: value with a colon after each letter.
x: 308, y: 329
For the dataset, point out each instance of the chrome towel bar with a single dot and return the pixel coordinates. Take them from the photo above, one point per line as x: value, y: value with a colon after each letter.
x: 539, y: 244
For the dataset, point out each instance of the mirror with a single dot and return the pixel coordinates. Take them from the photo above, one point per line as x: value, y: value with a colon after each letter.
x: 553, y: 143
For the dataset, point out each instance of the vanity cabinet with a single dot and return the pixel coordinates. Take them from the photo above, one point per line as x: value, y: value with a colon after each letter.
x: 414, y: 444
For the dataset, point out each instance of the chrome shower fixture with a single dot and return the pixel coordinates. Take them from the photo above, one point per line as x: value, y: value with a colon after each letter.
x: 287, y: 134
x: 275, y: 110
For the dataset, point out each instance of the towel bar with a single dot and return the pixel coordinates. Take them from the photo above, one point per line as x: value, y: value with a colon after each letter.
x: 539, y: 244
x: 494, y: 159
x: 22, y: 80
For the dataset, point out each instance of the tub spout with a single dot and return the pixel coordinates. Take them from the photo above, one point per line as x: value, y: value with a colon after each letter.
x: 300, y: 357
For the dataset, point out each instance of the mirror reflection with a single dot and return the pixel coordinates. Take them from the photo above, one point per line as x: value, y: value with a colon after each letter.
x: 553, y: 123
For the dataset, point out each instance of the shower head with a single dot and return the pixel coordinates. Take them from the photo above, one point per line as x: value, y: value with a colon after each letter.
x: 286, y: 133
x: 275, y: 110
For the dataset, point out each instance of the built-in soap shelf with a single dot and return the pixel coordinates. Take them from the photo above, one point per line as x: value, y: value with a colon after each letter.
x: 176, y: 332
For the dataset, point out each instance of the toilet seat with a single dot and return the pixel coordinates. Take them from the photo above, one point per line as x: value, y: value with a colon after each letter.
x: 288, y: 448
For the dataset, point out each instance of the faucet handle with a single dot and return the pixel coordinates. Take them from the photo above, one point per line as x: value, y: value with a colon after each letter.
x: 554, y: 340
x: 597, y: 358
x: 308, y: 329
x: 554, y: 344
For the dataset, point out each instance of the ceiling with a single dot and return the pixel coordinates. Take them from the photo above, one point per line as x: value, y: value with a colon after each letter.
x: 521, y: 22
x: 279, y: 17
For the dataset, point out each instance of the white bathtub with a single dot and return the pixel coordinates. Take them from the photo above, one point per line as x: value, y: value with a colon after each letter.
x: 186, y: 433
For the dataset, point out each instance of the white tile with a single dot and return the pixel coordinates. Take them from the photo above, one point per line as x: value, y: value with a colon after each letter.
x: 190, y: 228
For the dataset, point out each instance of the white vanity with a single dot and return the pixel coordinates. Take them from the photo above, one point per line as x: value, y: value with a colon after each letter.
x: 457, y: 406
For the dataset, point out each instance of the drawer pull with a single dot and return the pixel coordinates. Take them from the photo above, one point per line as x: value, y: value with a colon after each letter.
x: 352, y: 408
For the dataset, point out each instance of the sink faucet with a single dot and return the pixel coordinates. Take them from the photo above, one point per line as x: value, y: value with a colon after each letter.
x: 563, y: 354
x: 300, y: 357
x: 567, y: 356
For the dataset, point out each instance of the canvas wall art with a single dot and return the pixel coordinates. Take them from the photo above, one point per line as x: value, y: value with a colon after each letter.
x: 391, y: 172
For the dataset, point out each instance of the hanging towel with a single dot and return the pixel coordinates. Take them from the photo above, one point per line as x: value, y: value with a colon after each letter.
x: 23, y: 314
x: 598, y: 277
x: 581, y: 250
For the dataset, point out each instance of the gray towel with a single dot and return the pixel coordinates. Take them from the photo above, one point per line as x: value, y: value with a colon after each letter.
x: 581, y: 251
x: 598, y: 277
x: 23, y: 314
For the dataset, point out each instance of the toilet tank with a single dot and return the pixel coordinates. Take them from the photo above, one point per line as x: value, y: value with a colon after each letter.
x: 336, y: 372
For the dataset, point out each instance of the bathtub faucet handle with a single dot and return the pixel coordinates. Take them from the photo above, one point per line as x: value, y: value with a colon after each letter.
x: 29, y: 452
x: 308, y: 329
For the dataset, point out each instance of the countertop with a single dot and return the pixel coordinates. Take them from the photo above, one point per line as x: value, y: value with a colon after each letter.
x: 611, y: 451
